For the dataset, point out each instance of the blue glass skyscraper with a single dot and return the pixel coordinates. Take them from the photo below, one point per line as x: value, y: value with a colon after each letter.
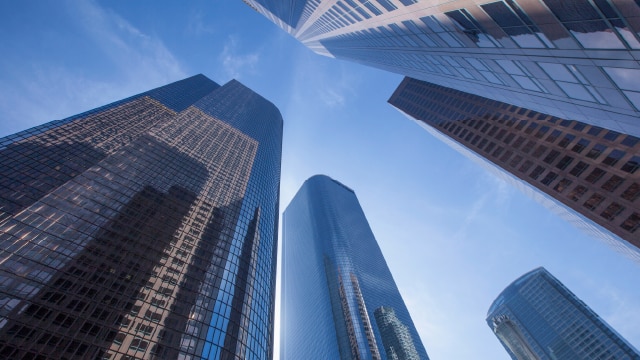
x: 538, y: 318
x: 573, y: 59
x: 144, y: 229
x: 334, y: 279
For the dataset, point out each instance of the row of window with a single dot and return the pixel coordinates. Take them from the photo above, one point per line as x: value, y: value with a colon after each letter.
x: 507, y: 138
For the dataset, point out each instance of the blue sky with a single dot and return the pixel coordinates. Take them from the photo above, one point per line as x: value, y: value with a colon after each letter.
x: 453, y: 235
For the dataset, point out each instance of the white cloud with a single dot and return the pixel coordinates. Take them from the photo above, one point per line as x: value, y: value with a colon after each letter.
x: 235, y: 64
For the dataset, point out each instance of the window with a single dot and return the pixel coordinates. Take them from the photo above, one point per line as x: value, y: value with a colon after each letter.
x: 158, y: 302
x: 144, y: 329
x: 562, y: 185
x: 553, y: 154
x: 555, y: 134
x: 138, y: 344
x: 548, y: 179
x: 579, y: 168
x: 584, y: 23
x: 564, y: 162
x: 536, y: 172
x: 119, y: 338
x: 580, y: 145
x: 630, y: 141
x: 529, y: 145
x: 595, y: 152
x: 593, y: 202
x: 632, y: 223
x: 490, y: 147
x: 539, y: 151
x: 632, y: 192
x: 568, y: 138
x: 613, y: 157
x: 515, y: 161
x: 612, y: 211
x: 150, y: 315
x: 595, y: 175
x: 613, y: 183
x: 470, y: 27
x: 577, y: 193
x: 530, y: 128
x: 611, y: 135
x: 518, y: 142
x: 527, y: 164
x: 594, y: 130
x: 541, y: 132
x: 632, y: 165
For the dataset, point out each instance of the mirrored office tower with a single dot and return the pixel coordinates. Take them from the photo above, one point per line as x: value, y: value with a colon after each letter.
x: 587, y: 174
x: 538, y: 318
x: 339, y: 300
x: 574, y: 59
x: 144, y: 229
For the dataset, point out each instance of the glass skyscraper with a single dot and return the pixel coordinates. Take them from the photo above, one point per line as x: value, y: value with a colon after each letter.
x: 587, y: 174
x: 573, y: 59
x: 568, y: 69
x: 143, y: 229
x: 339, y: 300
x: 538, y: 318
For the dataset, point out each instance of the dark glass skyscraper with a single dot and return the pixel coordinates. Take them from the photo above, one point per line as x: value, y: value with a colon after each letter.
x: 144, y: 229
x: 538, y: 318
x: 586, y: 173
x: 334, y: 279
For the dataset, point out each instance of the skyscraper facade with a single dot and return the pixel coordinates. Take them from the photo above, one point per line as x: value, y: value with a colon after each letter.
x: 537, y: 317
x: 586, y: 173
x: 144, y: 229
x: 573, y: 59
x: 338, y: 296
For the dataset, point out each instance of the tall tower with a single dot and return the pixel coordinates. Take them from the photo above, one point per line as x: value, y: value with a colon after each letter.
x: 573, y: 59
x: 334, y: 279
x: 586, y: 173
x: 537, y: 317
x: 143, y: 229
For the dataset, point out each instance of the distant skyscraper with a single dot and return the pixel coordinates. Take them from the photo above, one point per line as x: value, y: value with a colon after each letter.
x: 584, y: 171
x: 538, y: 318
x: 144, y: 229
x: 334, y: 279
x: 573, y: 59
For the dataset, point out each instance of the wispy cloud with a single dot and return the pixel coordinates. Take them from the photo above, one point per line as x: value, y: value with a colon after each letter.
x: 314, y: 79
x: 139, y: 55
x: 197, y: 25
x: 234, y: 63
x: 120, y: 60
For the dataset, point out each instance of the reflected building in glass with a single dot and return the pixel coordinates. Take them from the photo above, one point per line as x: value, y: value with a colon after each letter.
x: 573, y: 59
x: 587, y: 174
x: 338, y: 296
x: 537, y: 317
x: 144, y: 229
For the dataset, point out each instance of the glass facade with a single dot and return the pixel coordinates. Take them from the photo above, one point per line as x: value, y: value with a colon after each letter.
x: 144, y: 229
x: 537, y: 317
x: 588, y: 173
x: 573, y: 59
x: 334, y: 279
